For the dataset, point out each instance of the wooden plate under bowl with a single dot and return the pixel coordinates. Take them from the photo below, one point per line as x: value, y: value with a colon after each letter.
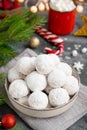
x: 45, y: 113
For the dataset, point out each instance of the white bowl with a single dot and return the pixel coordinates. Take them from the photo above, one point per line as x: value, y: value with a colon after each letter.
x: 45, y: 113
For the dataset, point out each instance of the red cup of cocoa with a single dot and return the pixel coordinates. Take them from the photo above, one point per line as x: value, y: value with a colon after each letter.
x: 61, y: 23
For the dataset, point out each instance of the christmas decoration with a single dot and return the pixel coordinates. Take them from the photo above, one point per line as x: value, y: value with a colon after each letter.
x: 79, y: 8
x: 8, y: 121
x: 83, y: 30
x: 56, y: 40
x: 33, y: 9
x: 17, y: 28
x: 34, y: 42
x: 47, y: 6
x: 41, y: 5
x: 78, y: 66
x: 21, y: 1
x: 7, y: 5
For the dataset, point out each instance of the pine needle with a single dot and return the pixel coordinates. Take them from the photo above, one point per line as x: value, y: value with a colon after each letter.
x: 6, y: 54
x: 2, y: 81
x: 17, y: 127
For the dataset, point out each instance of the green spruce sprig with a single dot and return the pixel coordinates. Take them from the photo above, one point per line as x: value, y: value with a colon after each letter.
x: 17, y: 127
x: 2, y: 95
x: 18, y: 25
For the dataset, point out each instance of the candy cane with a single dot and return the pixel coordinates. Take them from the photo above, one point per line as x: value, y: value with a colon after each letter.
x: 56, y: 40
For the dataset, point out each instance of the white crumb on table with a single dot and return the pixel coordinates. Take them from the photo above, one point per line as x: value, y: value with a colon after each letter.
x: 84, y: 50
x: 74, y: 53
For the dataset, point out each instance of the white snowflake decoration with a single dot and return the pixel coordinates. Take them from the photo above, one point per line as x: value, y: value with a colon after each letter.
x: 78, y: 66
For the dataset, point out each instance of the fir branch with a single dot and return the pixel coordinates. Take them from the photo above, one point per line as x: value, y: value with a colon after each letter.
x: 6, y: 22
x: 2, y: 78
x: 4, y: 59
x: 7, y: 50
x: 13, y: 11
x: 17, y: 127
x: 2, y: 96
x: 6, y: 54
x: 26, y: 31
x: 17, y: 27
x: 3, y: 37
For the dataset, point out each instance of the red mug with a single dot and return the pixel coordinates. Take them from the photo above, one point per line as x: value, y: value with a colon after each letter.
x: 61, y: 23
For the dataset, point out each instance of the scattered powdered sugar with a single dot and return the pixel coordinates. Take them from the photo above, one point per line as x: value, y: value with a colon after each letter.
x: 68, y: 48
x: 77, y: 46
x: 67, y: 57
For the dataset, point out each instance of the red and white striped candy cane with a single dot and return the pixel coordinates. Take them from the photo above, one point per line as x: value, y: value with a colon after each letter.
x: 56, y: 40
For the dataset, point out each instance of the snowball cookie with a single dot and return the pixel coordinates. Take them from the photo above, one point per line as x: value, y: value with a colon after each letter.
x: 44, y: 64
x: 65, y: 68
x: 71, y: 85
x: 55, y: 58
x: 18, y: 89
x: 56, y: 78
x: 13, y: 75
x: 36, y: 81
x: 38, y: 100
x: 58, y: 96
x: 23, y: 100
x: 26, y: 65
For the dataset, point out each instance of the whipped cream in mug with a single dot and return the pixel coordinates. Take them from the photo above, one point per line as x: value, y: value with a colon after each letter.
x: 62, y: 5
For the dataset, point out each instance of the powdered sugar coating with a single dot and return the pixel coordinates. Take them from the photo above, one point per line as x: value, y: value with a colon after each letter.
x: 36, y: 81
x: 56, y: 78
x: 26, y: 65
x: 55, y: 58
x: 38, y: 100
x: 65, y: 68
x: 13, y: 74
x: 58, y: 96
x: 44, y: 64
x: 18, y: 89
x: 71, y: 85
